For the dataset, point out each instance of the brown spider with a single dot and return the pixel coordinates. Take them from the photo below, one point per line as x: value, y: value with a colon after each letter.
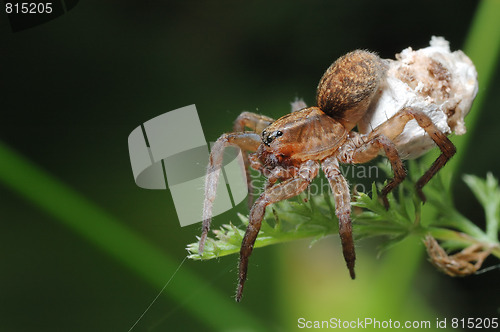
x: 292, y: 149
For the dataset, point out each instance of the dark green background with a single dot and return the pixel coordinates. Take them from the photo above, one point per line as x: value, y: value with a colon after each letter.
x: 74, y: 88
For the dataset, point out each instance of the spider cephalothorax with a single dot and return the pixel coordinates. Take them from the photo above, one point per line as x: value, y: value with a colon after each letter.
x: 307, y: 134
x: 291, y: 150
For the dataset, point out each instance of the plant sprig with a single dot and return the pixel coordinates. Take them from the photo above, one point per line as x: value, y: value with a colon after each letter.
x: 283, y: 222
x: 314, y: 218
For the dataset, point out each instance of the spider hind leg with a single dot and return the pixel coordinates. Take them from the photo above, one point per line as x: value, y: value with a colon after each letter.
x: 395, y: 126
x: 368, y: 150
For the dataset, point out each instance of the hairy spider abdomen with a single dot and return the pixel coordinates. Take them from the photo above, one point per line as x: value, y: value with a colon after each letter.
x: 308, y: 134
x: 348, y: 86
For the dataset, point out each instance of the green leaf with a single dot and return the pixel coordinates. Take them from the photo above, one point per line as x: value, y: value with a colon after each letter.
x: 487, y: 193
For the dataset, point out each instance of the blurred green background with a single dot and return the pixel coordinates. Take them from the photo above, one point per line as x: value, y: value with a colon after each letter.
x: 82, y: 248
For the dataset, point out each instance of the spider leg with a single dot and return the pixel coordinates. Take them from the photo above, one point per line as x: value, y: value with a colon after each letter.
x: 368, y: 149
x: 340, y: 190
x: 247, y: 141
x: 256, y: 123
x: 281, y: 191
x: 395, y: 126
x: 297, y: 105
x: 277, y: 173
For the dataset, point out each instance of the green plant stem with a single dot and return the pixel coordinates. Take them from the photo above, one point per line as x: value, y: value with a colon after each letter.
x: 107, y: 233
x: 267, y: 241
x: 456, y: 220
x: 493, y: 221
x: 482, y: 46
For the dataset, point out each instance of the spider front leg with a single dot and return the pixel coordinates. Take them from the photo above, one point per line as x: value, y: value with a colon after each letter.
x: 253, y: 121
x: 246, y: 141
x: 395, y: 126
x: 340, y: 190
x: 256, y: 123
x: 284, y: 190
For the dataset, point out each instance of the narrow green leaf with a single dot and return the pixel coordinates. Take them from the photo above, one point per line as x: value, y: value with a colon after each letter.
x: 487, y: 193
x: 107, y: 233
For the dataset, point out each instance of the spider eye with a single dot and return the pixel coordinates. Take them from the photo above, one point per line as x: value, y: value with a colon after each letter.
x: 267, y: 139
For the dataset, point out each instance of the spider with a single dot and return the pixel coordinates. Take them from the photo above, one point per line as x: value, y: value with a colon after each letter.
x: 291, y: 150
